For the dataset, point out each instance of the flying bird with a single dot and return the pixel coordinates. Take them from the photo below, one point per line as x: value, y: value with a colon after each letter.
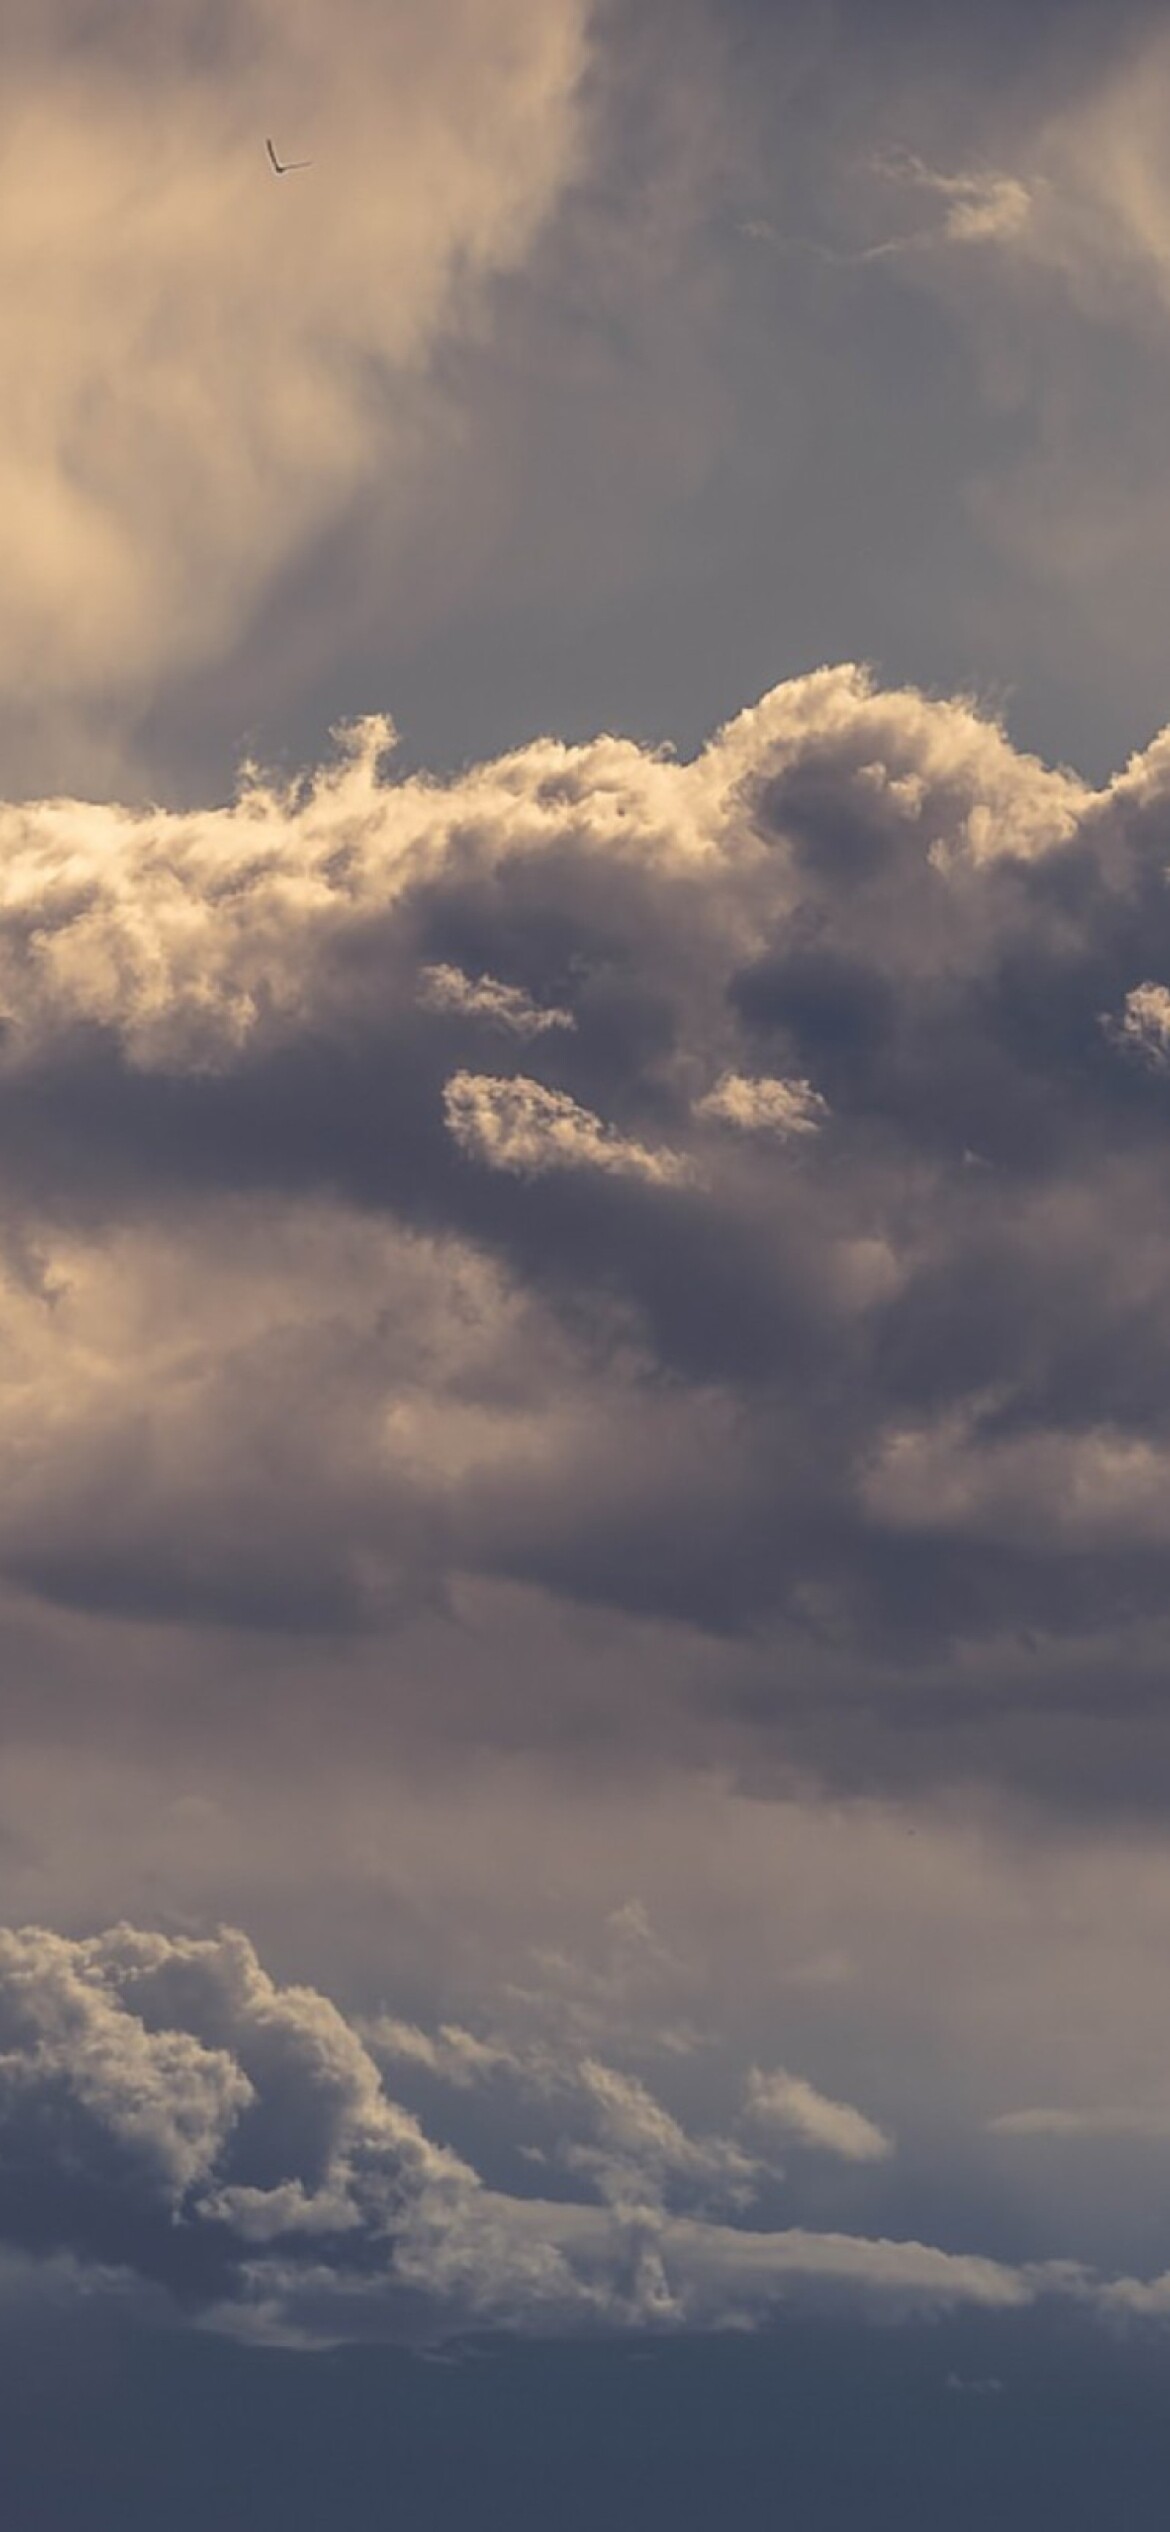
x: 285, y: 166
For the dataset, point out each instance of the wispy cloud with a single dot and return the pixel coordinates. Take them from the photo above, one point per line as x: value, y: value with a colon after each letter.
x: 506, y: 1007
x: 978, y: 206
x: 982, y: 206
x: 1150, y: 2122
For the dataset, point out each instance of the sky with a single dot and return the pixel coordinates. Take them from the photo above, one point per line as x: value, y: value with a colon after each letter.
x: 584, y: 1265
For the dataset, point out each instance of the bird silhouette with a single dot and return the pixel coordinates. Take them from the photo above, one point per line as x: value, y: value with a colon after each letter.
x: 285, y: 166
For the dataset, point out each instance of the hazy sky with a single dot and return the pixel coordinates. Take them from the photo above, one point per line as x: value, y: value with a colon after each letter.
x: 584, y: 1265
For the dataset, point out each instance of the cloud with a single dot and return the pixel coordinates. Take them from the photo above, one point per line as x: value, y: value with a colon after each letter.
x: 1049, y: 256
x: 1140, y: 2298
x: 983, y: 206
x: 751, y: 2269
x: 642, y: 2149
x: 456, y: 2056
x: 978, y: 207
x: 161, y: 2100
x: 779, y: 1108
x: 1069, y: 1491
x: 518, y: 1125
x: 785, y: 2106
x: 168, y: 2110
x: 163, y: 2104
x: 618, y: 2134
x: 1151, y: 2123
x: 190, y: 938
x: 1103, y: 153
x: 362, y: 1328
x: 1144, y: 1028
x: 483, y: 998
x: 213, y: 364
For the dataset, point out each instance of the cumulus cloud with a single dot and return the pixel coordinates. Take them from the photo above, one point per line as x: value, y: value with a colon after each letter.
x: 190, y: 937
x: 549, y: 1327
x: 169, y: 2110
x: 163, y: 2102
x: 785, y: 2106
